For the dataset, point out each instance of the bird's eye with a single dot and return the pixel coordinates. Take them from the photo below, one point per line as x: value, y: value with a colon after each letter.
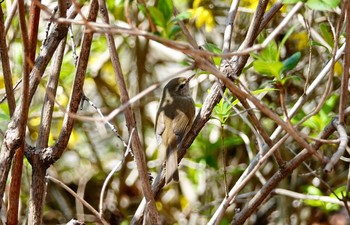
x: 182, y: 85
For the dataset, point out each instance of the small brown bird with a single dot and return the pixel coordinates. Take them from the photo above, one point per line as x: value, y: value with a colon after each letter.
x: 174, y: 119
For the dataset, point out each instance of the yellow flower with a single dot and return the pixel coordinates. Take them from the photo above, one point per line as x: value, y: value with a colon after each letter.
x: 252, y: 4
x: 203, y: 17
x: 338, y: 69
x: 300, y: 39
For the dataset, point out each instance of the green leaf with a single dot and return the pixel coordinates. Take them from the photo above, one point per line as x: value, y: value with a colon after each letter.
x: 157, y: 16
x: 167, y: 8
x: 286, y: 36
x: 312, y: 190
x: 214, y: 49
x: 322, y: 5
x: 256, y: 92
x: 173, y: 31
x: 269, y: 68
x: 270, y: 53
x: 255, y: 56
x: 182, y: 16
x: 326, y: 34
x: 330, y: 104
x: 320, y: 120
x: 315, y: 43
x: 142, y: 8
x: 223, y: 110
x: 292, y: 77
x: 291, y: 62
x: 290, y: 1
x: 339, y: 192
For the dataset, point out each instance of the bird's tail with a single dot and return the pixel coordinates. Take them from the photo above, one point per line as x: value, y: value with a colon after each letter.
x: 171, y: 172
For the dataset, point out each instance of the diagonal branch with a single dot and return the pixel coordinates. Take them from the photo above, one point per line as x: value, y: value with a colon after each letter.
x: 241, y: 217
x: 77, y: 91
x: 138, y: 151
x: 5, y: 61
x: 345, y: 77
x: 12, y: 138
x: 12, y: 216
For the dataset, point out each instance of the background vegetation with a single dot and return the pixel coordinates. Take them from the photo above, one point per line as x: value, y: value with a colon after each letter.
x: 80, y: 84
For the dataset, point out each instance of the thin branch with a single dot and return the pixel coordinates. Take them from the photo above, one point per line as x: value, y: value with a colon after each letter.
x: 187, y: 33
x: 49, y: 100
x: 229, y: 26
x: 33, y: 30
x: 12, y: 216
x: 122, y: 107
x: 70, y: 191
x: 10, y: 16
x: 296, y: 195
x: 270, y: 14
x: 77, y: 91
x: 116, y: 167
x: 343, y: 137
x: 345, y: 77
x: 214, y: 96
x: 6, y: 69
x: 310, y: 89
x: 138, y: 151
x: 111, y: 126
x: 280, y: 175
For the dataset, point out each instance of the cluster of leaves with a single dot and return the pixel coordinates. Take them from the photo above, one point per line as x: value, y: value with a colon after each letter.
x: 268, y: 61
x: 316, y: 4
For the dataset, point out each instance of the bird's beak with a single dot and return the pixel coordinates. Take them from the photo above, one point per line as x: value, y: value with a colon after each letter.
x: 188, y: 79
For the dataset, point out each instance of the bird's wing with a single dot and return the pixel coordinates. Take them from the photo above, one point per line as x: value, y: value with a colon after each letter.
x: 160, y: 126
x: 180, y: 125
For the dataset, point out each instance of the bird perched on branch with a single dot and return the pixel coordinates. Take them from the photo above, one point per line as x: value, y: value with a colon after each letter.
x: 174, y: 119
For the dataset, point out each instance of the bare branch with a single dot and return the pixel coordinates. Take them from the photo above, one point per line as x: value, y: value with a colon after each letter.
x: 12, y: 216
x: 10, y: 16
x: 310, y: 89
x: 277, y: 177
x: 33, y: 30
x: 138, y: 151
x: 345, y: 77
x: 5, y: 62
x: 47, y: 110
x: 116, y: 167
x: 297, y: 195
x: 229, y: 26
x: 49, y: 101
x: 77, y: 91
x: 343, y: 137
x: 87, y: 205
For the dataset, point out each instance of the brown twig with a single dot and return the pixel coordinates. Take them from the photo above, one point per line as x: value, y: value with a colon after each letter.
x: 51, y: 88
x: 345, y: 77
x: 33, y: 30
x: 212, y: 99
x: 343, y: 137
x: 6, y: 69
x: 37, y: 158
x: 87, y: 205
x: 226, y: 47
x: 77, y: 91
x: 15, y: 185
x: 116, y: 167
x: 10, y: 16
x: 49, y: 100
x: 131, y: 124
x: 277, y: 177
